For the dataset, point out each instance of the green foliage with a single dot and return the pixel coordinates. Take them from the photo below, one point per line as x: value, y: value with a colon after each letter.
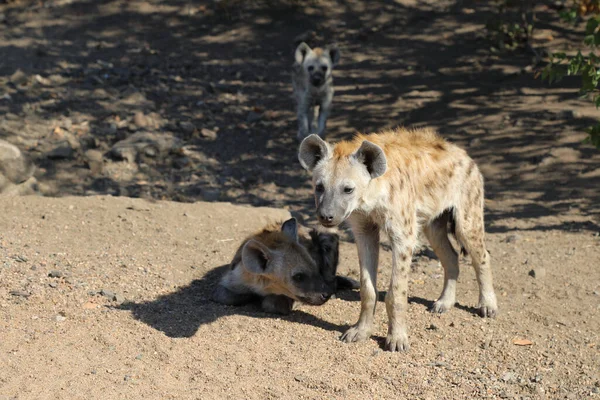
x: 508, y: 35
x: 585, y: 66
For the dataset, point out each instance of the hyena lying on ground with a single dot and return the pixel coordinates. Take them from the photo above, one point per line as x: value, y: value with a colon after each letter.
x: 404, y: 183
x: 281, y: 265
x: 313, y: 85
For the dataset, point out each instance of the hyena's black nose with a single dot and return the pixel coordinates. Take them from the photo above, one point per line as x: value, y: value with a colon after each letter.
x: 325, y: 217
x: 317, y: 81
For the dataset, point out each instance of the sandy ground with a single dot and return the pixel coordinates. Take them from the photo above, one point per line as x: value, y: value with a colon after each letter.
x: 144, y: 117
x: 157, y: 335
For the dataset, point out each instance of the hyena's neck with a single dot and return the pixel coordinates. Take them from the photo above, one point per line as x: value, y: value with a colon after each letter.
x: 376, y: 196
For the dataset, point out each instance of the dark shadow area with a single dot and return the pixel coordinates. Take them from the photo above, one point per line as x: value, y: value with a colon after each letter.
x: 215, y: 77
x: 181, y: 313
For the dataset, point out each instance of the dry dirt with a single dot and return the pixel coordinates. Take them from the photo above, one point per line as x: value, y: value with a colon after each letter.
x: 106, y: 295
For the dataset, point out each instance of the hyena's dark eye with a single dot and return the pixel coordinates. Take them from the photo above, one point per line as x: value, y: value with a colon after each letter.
x: 319, y: 188
x: 299, y: 277
x: 311, y: 68
x: 324, y: 68
x: 348, y: 190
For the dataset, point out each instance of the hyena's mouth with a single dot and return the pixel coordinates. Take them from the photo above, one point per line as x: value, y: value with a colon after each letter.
x: 316, y: 300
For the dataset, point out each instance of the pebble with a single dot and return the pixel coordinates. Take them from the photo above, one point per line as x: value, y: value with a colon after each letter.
x: 208, y: 133
x: 62, y: 150
x: 538, y: 273
x: 20, y: 293
x: 432, y: 327
x: 53, y: 284
x: 55, y: 274
x: 509, y: 377
x: 187, y: 126
x: 95, y: 161
x: 107, y: 293
x: 20, y: 259
x: 512, y: 238
x: 119, y: 298
x: 60, y: 318
x: 140, y: 119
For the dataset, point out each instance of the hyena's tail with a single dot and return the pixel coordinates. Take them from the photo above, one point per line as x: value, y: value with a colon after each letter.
x: 452, y: 229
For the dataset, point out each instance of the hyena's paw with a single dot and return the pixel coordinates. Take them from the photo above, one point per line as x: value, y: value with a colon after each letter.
x: 488, y: 306
x: 355, y: 334
x: 397, y: 342
x: 488, y: 309
x: 441, y: 306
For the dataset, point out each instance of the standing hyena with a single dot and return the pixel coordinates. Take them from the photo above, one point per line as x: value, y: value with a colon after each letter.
x: 404, y: 183
x: 313, y: 85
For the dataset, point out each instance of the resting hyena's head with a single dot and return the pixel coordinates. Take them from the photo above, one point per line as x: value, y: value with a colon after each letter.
x: 317, y: 62
x: 286, y: 267
x: 340, y: 180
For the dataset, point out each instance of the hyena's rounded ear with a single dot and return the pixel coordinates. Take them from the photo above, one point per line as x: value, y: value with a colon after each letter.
x: 334, y: 53
x: 311, y: 151
x: 256, y: 256
x: 373, y: 157
x: 301, y: 51
x: 290, y: 229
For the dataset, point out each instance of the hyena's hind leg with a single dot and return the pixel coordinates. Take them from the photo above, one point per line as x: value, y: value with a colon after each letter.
x: 470, y: 232
x: 437, y: 235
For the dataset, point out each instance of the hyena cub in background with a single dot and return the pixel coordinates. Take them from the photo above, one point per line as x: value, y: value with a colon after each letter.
x: 313, y: 85
x: 403, y: 183
x: 281, y: 265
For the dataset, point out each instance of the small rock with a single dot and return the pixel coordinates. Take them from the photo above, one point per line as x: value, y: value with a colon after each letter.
x: 127, y: 378
x: 512, y: 238
x: 60, y: 318
x: 14, y: 165
x: 119, y: 298
x: 62, y: 150
x: 19, y: 293
x: 475, y: 142
x: 21, y: 259
x: 208, y: 133
x: 94, y: 160
x: 107, y: 293
x: 299, y: 378
x: 538, y: 273
x: 53, y: 285
x: 537, y: 379
x: 509, y: 377
x: 376, y: 352
x: 139, y: 356
x: 56, y: 274
x: 140, y: 120
x: 432, y: 327
x: 438, y: 364
x: 187, y: 127
x: 18, y: 77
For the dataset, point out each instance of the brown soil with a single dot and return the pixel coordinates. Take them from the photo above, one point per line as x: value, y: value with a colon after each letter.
x: 126, y: 313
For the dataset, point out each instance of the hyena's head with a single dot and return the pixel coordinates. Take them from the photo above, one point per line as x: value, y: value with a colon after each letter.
x: 317, y: 62
x: 340, y: 180
x: 287, y: 267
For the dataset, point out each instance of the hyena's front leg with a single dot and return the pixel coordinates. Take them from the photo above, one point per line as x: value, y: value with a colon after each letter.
x: 303, y: 118
x: 277, y: 304
x: 367, y: 240
x: 324, y: 109
x: 396, y: 299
